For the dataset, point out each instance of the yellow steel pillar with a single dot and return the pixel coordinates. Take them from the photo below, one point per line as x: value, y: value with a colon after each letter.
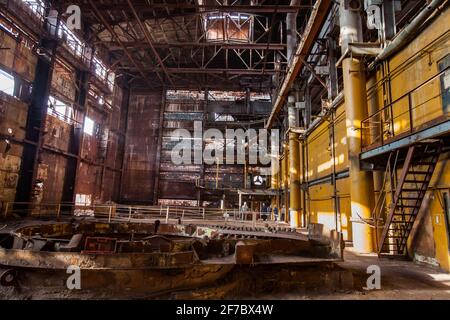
x: 294, y: 172
x: 304, y: 221
x: 361, y: 191
x: 294, y: 166
x: 285, y: 179
x: 275, y: 170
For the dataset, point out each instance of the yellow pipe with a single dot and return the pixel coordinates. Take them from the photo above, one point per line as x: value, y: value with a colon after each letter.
x: 302, y: 180
x: 280, y: 183
x: 275, y: 182
x: 285, y: 170
x: 361, y: 189
x: 378, y: 176
x: 294, y: 173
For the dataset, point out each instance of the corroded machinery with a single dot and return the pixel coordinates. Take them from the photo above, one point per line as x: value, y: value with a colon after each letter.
x: 149, y: 259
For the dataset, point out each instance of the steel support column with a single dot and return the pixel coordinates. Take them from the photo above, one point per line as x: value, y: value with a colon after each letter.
x: 294, y: 167
x: 285, y: 178
x: 275, y: 168
x: 361, y: 186
x: 76, y: 138
x: 37, y: 112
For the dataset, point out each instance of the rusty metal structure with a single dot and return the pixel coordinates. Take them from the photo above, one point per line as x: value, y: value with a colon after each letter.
x: 161, y: 258
x: 90, y: 116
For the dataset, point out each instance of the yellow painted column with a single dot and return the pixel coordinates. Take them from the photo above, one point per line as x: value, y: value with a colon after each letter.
x: 374, y: 131
x: 294, y: 173
x: 303, y: 215
x: 275, y: 181
x: 356, y: 109
x: 285, y: 178
x: 361, y: 190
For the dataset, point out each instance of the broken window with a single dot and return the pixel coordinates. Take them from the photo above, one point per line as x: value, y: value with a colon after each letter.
x: 83, y: 200
x: 72, y: 41
x: 60, y: 110
x: 36, y: 7
x: 223, y: 117
x: 7, y: 83
x: 111, y: 80
x: 89, y: 125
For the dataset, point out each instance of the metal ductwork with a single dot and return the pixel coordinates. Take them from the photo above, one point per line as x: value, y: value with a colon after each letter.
x: 403, y: 36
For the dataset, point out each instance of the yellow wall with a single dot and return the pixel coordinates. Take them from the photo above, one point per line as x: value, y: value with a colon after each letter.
x: 413, y: 66
x: 441, y: 184
x: 320, y: 165
x: 408, y: 69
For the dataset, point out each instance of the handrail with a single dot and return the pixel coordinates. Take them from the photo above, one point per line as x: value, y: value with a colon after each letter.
x: 376, y: 120
x: 408, y: 93
x: 116, y: 211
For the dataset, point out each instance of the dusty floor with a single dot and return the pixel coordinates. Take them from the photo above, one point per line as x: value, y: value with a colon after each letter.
x: 399, y: 280
x: 403, y: 280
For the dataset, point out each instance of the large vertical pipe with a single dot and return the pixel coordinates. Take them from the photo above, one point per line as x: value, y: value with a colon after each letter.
x: 291, y: 32
x: 304, y: 222
x: 294, y: 171
x: 285, y: 179
x: 446, y: 197
x: 275, y: 177
x: 294, y: 166
x: 296, y: 212
x: 361, y: 189
x: 274, y: 154
x: 374, y: 131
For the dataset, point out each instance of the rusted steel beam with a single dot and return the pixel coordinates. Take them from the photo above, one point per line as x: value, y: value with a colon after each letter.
x: 159, y: 148
x: 318, y: 16
x: 237, y: 46
x: 272, y: 25
x: 114, y: 35
x: 219, y: 8
x: 216, y: 71
x: 149, y: 41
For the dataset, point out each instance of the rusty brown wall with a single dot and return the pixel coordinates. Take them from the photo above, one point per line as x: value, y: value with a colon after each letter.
x: 17, y: 57
x: 101, y: 153
x: 99, y: 165
x: 19, y: 60
x: 141, y: 147
x: 13, y: 116
x: 116, y: 141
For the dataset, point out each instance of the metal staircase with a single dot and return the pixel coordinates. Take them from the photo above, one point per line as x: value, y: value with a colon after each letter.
x: 410, y: 190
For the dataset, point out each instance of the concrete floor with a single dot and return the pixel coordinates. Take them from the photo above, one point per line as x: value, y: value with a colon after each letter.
x: 400, y: 280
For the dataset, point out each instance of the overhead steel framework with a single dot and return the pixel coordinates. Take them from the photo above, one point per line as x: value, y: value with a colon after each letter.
x: 237, y: 44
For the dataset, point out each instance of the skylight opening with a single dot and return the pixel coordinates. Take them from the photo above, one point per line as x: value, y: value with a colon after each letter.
x: 228, y: 27
x: 233, y: 17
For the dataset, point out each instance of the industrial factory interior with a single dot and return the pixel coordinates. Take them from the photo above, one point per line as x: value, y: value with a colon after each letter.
x: 207, y: 150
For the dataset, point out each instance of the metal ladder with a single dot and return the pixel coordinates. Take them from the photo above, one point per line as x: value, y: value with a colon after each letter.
x: 410, y: 191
